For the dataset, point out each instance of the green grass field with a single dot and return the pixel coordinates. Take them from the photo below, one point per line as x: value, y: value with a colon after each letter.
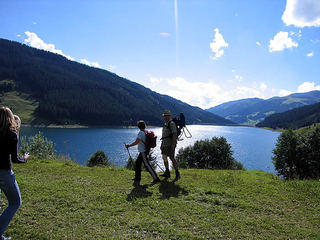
x: 20, y: 104
x: 62, y: 200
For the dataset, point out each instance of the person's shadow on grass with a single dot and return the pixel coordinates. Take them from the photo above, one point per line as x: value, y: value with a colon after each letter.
x: 139, y: 191
x: 170, y: 189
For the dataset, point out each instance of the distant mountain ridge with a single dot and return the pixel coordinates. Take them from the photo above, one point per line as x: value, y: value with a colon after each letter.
x: 254, y: 110
x: 294, y: 119
x: 46, y: 88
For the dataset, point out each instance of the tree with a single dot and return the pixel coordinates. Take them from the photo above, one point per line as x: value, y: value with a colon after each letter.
x: 38, y: 146
x: 297, y: 153
x: 285, y: 154
x: 99, y: 158
x: 208, y: 154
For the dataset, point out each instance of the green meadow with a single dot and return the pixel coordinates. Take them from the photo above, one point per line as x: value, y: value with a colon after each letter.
x: 62, y: 200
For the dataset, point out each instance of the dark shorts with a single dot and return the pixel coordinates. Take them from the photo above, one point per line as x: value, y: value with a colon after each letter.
x: 166, y: 150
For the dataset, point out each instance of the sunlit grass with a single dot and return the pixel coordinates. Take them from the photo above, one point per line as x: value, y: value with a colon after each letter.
x: 62, y: 200
x: 20, y: 104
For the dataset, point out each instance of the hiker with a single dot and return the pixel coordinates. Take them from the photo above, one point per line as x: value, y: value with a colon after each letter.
x: 18, y: 125
x: 168, y: 144
x: 9, y: 154
x: 142, y: 157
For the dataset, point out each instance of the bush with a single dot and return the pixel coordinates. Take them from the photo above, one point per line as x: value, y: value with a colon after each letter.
x: 130, y: 163
x: 99, y: 158
x: 297, y: 154
x: 38, y: 146
x: 208, y: 154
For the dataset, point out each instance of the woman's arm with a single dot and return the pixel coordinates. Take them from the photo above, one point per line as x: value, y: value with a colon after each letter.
x: 134, y: 143
x: 14, y: 150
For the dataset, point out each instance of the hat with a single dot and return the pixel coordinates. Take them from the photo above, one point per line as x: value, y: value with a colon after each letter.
x: 166, y: 113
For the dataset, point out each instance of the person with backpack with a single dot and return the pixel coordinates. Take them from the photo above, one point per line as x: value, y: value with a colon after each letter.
x: 168, y: 144
x: 8, y: 154
x: 143, y: 154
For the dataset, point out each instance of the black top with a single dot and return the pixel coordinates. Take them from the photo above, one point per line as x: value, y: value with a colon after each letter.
x: 9, y: 150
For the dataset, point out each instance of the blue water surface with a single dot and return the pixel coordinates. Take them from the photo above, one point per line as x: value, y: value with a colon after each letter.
x: 251, y: 146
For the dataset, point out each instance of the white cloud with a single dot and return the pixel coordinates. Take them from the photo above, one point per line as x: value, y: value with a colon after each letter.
x: 34, y: 23
x: 307, y: 87
x: 258, y: 43
x: 34, y: 41
x: 203, y: 94
x: 263, y: 86
x: 111, y: 67
x: 310, y: 54
x: 281, y: 41
x: 217, y: 44
x: 91, y: 64
x: 302, y: 13
x: 238, y: 77
x: 284, y: 92
x: 165, y: 34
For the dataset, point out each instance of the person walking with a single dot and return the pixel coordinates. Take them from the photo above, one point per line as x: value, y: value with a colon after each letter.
x: 9, y: 154
x: 168, y: 144
x: 142, y: 157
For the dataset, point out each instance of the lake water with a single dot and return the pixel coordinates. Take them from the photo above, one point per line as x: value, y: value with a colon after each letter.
x: 251, y: 146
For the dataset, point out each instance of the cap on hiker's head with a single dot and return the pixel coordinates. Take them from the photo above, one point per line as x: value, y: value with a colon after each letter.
x: 166, y: 113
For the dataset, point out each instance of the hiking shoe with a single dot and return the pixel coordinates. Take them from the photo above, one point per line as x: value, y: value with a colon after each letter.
x: 166, y: 174
x: 3, y: 237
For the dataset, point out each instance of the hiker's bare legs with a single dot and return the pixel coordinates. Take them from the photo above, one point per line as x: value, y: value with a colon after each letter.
x: 165, y: 162
x: 174, y: 163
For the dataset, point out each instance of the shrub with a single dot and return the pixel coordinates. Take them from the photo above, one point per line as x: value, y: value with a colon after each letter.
x: 297, y: 153
x: 130, y: 163
x: 38, y: 146
x: 208, y: 154
x: 99, y: 158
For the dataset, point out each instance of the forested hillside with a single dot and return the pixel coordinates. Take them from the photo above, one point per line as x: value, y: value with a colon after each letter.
x: 46, y: 88
x: 252, y: 111
x: 294, y: 119
x: 233, y: 107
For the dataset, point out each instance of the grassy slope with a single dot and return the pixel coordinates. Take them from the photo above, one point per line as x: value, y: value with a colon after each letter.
x: 20, y: 104
x: 62, y: 200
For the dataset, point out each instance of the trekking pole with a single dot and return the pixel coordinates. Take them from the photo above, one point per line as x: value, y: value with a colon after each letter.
x: 128, y: 151
x: 159, y: 167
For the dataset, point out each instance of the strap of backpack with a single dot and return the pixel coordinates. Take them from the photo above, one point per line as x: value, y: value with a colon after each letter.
x: 168, y: 126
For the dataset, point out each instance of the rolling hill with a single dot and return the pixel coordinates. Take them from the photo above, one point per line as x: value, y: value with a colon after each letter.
x: 294, y: 119
x: 252, y: 111
x: 46, y: 88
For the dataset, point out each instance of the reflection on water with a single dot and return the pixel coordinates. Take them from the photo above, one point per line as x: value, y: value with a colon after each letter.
x: 251, y: 146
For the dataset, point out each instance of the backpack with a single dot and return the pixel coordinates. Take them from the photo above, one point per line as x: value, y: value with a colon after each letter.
x: 151, y: 140
x: 180, y: 123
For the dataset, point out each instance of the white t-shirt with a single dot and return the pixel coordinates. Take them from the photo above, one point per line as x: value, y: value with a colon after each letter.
x: 142, y: 137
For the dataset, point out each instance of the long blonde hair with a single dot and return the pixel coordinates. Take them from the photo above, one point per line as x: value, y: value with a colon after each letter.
x: 7, y: 121
x: 17, y: 120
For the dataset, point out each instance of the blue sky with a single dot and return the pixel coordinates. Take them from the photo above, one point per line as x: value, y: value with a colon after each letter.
x: 203, y: 52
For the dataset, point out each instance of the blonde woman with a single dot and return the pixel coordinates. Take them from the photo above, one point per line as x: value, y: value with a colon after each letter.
x: 9, y: 154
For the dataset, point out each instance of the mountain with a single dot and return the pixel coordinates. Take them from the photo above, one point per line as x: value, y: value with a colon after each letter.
x: 253, y: 111
x: 294, y: 119
x: 46, y: 88
x: 232, y: 107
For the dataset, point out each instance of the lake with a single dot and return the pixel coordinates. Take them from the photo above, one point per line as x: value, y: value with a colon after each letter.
x: 251, y: 146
